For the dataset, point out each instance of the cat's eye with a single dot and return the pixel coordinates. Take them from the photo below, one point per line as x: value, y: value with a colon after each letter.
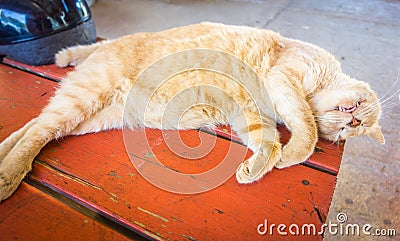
x: 339, y: 108
x: 348, y: 109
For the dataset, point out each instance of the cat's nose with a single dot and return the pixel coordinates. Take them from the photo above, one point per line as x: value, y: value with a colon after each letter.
x: 354, y: 122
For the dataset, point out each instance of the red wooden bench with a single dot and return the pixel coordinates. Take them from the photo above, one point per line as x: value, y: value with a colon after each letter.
x: 86, y: 188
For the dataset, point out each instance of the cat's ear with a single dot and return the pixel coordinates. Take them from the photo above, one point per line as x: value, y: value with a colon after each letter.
x: 375, y: 133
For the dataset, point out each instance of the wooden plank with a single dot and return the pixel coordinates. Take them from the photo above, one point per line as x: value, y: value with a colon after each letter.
x: 96, y: 171
x: 22, y: 96
x: 229, y: 212
x: 327, y: 155
x: 47, y: 71
x: 32, y: 215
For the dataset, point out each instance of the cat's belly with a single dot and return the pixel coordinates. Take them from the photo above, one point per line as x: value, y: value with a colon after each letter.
x: 190, y: 100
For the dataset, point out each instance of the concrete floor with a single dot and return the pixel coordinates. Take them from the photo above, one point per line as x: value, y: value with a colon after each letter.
x: 363, y: 35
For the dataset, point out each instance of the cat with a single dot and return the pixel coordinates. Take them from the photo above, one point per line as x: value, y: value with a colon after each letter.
x: 301, y: 86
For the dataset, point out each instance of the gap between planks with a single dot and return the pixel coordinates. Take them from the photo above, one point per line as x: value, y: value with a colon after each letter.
x: 103, y: 218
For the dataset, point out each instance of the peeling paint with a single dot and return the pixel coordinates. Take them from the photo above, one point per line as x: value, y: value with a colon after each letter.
x: 318, y: 149
x: 176, y: 220
x: 152, y: 235
x: 67, y: 175
x: 158, y: 234
x: 219, y: 211
x: 139, y: 224
x: 189, y: 237
x: 113, y: 173
x: 153, y: 214
x: 148, y: 155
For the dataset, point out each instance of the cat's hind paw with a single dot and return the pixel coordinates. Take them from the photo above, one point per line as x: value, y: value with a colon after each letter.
x: 7, y: 187
x: 75, y: 55
x: 282, y: 164
x: 243, y: 174
x: 64, y: 58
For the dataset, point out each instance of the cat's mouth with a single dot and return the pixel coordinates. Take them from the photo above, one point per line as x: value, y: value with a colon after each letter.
x: 350, y: 109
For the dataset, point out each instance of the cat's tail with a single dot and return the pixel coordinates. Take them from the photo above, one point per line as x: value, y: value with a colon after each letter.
x: 73, y: 56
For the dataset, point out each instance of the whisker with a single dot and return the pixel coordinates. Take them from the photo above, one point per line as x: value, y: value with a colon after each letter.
x: 332, y: 122
x: 336, y: 143
x: 393, y: 86
x: 369, y: 109
x: 329, y: 120
x: 366, y: 111
x: 335, y: 119
x: 367, y: 139
x: 390, y: 105
x: 329, y: 117
x: 338, y: 136
x: 385, y: 105
x: 385, y: 99
x: 388, y: 113
x: 393, y: 96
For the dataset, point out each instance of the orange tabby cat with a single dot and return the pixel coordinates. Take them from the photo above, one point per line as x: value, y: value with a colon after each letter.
x: 301, y: 86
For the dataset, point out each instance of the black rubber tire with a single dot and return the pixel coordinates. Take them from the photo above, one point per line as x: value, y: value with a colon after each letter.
x: 42, y: 51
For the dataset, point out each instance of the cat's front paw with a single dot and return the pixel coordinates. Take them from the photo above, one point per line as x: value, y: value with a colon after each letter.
x: 260, y: 163
x: 292, y: 156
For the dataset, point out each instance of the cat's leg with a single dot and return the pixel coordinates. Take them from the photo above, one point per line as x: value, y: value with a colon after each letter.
x: 70, y: 106
x: 110, y: 117
x: 262, y: 138
x: 11, y: 141
x: 293, y: 109
x: 75, y: 55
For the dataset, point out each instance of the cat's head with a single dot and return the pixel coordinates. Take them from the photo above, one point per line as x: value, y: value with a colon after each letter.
x: 347, y: 108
